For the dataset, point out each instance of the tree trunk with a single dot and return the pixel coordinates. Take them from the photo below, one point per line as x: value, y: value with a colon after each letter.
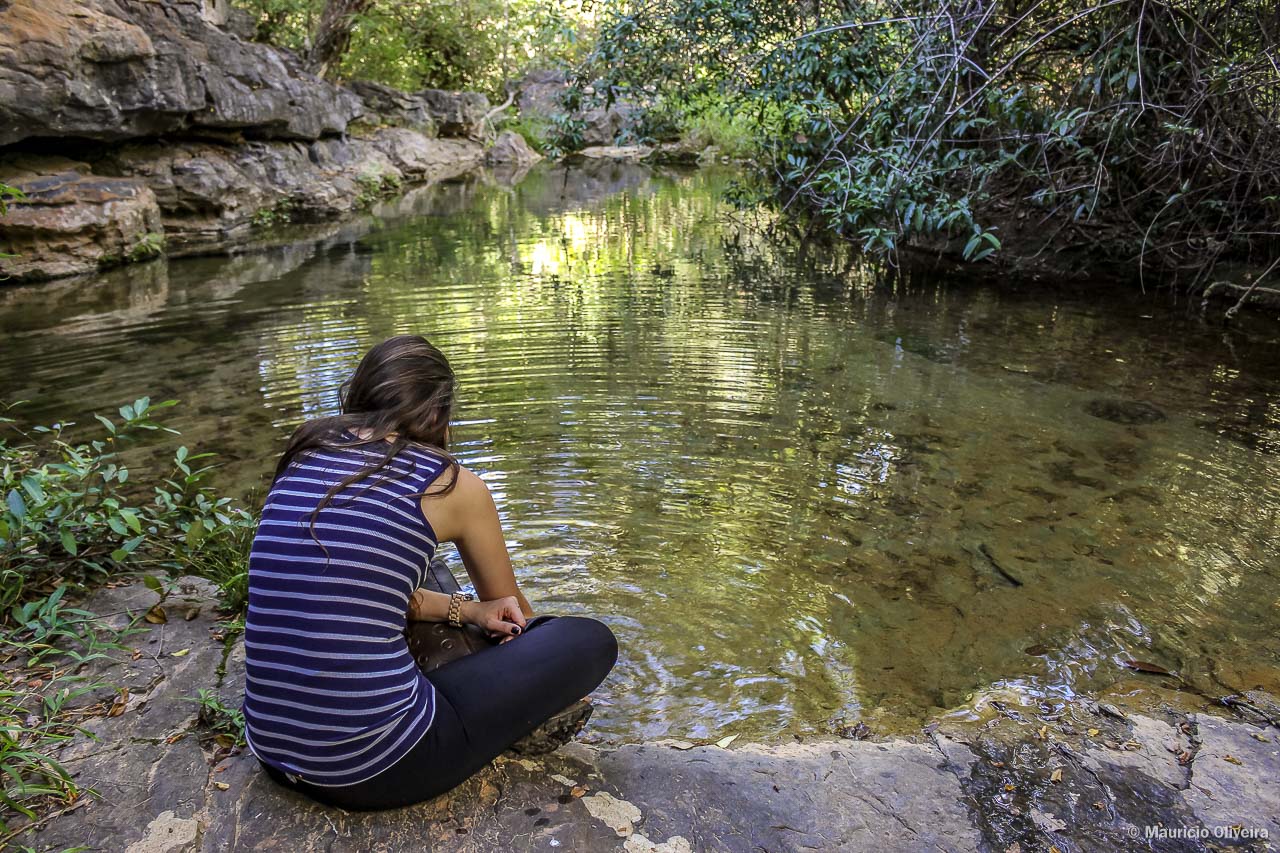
x: 333, y: 35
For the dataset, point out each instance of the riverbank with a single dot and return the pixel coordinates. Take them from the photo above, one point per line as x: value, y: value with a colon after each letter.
x: 137, y: 130
x: 1158, y: 774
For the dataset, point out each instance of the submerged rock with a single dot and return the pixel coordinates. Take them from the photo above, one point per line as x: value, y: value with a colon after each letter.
x: 1129, y: 412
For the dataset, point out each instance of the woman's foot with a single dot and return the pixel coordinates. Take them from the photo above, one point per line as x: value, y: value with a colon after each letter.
x: 555, y: 732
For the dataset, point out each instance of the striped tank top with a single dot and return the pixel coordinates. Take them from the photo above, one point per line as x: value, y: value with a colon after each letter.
x: 332, y: 694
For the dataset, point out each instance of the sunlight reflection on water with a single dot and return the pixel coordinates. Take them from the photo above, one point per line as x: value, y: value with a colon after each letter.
x: 775, y: 482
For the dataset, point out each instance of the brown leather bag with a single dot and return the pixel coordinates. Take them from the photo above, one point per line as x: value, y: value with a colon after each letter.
x: 433, y: 644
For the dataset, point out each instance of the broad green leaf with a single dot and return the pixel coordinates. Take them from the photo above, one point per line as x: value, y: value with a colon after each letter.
x: 131, y: 518
x: 17, y: 505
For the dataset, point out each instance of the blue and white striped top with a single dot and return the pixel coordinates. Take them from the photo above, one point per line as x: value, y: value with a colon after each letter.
x: 332, y: 694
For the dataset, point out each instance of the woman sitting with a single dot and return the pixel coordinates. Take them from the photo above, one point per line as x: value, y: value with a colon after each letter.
x: 335, y: 705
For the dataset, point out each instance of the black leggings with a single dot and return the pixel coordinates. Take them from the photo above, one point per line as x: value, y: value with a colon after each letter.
x: 484, y: 703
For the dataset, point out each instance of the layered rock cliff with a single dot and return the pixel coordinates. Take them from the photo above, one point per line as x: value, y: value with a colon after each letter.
x: 140, y: 127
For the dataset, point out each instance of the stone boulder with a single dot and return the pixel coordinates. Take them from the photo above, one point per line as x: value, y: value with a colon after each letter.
x: 116, y: 69
x: 388, y: 106
x: 214, y: 195
x: 602, y: 126
x: 423, y: 160
x: 456, y: 113
x: 510, y: 150
x: 632, y: 153
x: 71, y: 221
x: 539, y: 92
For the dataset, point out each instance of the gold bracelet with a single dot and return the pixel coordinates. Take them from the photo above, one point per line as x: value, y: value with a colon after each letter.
x: 455, y: 608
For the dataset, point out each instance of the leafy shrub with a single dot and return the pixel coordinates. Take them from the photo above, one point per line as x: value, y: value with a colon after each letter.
x: 71, y: 513
x: 1142, y: 132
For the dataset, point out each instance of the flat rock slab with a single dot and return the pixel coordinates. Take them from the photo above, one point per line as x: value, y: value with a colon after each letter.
x: 165, y: 785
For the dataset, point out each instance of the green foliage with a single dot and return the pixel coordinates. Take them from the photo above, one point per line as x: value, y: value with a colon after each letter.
x: 537, y: 131
x: 277, y: 214
x: 417, y: 44
x: 713, y: 121
x: 9, y: 194
x: 150, y: 246
x: 1141, y: 130
x: 374, y: 186
x: 49, y: 641
x: 222, y: 719
x: 72, y: 513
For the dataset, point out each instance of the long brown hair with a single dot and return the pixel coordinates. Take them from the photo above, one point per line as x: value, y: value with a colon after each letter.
x: 401, y: 394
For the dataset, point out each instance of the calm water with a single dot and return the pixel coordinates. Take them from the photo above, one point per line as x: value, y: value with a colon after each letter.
x: 779, y: 484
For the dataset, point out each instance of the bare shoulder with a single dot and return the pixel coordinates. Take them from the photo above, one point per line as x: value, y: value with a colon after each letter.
x: 454, y: 508
x: 470, y: 486
x: 460, y: 485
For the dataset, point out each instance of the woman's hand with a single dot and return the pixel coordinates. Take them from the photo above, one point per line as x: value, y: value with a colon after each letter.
x: 500, y: 617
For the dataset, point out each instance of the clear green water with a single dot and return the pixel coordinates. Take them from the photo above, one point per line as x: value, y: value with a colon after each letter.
x: 773, y: 479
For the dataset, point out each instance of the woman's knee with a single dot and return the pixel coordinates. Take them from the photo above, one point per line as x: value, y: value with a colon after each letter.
x: 592, y: 640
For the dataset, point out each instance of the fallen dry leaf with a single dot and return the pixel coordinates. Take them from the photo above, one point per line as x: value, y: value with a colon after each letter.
x: 156, y: 616
x: 1145, y: 666
x: 172, y: 739
x: 724, y: 742
x: 1056, y: 776
x: 224, y: 741
x: 118, y: 706
x: 192, y: 612
x: 222, y: 786
x: 1259, y: 737
x: 1043, y: 734
x: 1231, y: 759
x: 181, y: 653
x: 1094, y: 732
x: 1011, y: 787
x: 578, y: 792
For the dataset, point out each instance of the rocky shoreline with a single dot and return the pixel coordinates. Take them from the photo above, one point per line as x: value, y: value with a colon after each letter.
x: 1096, y: 777
x: 136, y: 129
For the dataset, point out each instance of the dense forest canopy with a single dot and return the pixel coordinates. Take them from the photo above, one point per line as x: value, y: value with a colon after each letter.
x: 1143, y: 132
x: 416, y: 44
x: 1146, y: 130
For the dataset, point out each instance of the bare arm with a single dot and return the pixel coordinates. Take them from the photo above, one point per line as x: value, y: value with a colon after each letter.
x: 468, y: 517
